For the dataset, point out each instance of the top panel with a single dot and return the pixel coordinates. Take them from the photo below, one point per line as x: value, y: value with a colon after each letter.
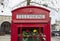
x: 31, y: 7
x: 30, y: 13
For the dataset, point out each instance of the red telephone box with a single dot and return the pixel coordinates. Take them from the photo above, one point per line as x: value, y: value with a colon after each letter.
x: 30, y: 23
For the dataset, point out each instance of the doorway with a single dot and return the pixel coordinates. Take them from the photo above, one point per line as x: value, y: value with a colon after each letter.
x: 5, y: 27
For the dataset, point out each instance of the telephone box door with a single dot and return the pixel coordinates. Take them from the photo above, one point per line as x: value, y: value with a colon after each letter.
x: 31, y: 34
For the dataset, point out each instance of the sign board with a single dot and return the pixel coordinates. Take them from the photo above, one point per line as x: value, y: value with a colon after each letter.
x: 30, y: 16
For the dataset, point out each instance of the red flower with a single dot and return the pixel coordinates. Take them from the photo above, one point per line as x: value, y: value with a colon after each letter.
x: 27, y: 31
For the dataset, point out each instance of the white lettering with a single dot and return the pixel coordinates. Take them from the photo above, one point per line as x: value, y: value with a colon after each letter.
x: 30, y: 16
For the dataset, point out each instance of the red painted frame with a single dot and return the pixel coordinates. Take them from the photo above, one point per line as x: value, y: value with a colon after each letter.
x: 45, y: 23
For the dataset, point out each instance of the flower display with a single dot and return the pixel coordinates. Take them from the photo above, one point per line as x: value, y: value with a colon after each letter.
x: 30, y: 35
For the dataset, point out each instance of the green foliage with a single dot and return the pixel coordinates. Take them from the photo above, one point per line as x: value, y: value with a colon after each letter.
x: 25, y: 34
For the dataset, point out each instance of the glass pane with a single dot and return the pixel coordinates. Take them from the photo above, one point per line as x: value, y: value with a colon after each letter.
x: 18, y: 33
x: 30, y: 34
x: 18, y: 38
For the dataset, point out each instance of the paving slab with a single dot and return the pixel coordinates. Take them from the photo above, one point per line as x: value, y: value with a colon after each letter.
x: 8, y: 38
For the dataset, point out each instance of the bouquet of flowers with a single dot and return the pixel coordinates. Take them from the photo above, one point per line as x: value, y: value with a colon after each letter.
x: 29, y: 35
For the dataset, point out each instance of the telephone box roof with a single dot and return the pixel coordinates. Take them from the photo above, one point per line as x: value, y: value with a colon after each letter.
x: 31, y: 7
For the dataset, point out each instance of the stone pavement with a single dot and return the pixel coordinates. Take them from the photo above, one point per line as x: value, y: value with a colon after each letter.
x: 7, y: 38
x: 57, y: 38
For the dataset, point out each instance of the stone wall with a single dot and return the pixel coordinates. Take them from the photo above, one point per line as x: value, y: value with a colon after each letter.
x: 4, y: 18
x: 58, y: 25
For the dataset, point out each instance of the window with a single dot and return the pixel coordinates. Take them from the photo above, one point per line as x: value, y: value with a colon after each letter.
x: 18, y: 33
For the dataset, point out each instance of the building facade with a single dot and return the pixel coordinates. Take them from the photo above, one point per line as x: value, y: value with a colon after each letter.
x: 5, y: 23
x: 58, y: 25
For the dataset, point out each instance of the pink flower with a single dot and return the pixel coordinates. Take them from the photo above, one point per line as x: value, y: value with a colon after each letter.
x: 27, y: 31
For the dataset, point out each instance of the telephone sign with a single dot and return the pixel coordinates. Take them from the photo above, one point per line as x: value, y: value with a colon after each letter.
x: 30, y: 16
